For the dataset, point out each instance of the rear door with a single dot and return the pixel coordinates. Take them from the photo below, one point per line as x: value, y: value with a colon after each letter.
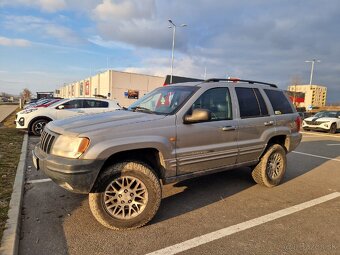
x: 212, y: 144
x: 255, y: 123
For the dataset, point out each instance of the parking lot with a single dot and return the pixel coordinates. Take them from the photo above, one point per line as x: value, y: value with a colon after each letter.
x: 251, y: 219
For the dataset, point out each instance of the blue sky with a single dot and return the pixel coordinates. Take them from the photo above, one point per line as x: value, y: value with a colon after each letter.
x: 46, y: 43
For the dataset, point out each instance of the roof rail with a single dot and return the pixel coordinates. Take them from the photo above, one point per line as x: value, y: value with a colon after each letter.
x: 239, y: 80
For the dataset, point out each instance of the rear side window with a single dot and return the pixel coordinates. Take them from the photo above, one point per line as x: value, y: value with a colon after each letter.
x: 251, y: 103
x: 279, y: 101
x: 95, y: 104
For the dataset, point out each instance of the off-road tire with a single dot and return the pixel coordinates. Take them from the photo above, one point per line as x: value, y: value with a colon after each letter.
x: 260, y: 173
x: 128, y: 169
x: 333, y: 128
x: 38, y: 126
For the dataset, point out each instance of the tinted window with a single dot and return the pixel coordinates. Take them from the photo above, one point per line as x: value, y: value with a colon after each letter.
x: 217, y: 101
x: 95, y: 104
x: 251, y: 103
x: 73, y: 104
x: 279, y: 101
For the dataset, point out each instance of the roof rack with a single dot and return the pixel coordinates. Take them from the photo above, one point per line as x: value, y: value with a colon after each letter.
x: 239, y: 80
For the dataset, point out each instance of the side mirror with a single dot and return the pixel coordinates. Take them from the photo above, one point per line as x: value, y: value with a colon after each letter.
x: 60, y: 107
x: 198, y: 115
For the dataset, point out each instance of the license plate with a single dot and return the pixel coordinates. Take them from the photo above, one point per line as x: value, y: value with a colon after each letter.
x: 35, y: 161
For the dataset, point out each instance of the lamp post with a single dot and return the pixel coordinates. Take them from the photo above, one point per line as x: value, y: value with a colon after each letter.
x: 312, y: 69
x: 173, y: 26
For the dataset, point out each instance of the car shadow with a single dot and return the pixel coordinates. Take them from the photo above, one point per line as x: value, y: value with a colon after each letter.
x: 205, y: 190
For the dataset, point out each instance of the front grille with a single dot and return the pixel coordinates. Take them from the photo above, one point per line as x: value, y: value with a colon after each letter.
x: 316, y: 123
x: 46, y: 141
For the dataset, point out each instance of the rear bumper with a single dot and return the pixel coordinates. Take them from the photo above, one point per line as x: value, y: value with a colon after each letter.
x: 293, y: 141
x: 76, y: 175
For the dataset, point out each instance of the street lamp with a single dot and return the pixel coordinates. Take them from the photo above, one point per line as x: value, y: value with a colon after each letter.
x: 173, y: 26
x: 312, y: 69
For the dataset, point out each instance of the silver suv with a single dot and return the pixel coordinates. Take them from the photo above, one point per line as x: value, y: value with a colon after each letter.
x: 173, y: 133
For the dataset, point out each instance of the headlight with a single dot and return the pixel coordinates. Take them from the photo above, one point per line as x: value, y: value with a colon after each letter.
x: 70, y: 147
x: 29, y: 110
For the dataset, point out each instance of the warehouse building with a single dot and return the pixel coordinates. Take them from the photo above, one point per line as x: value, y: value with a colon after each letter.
x: 122, y: 86
x: 314, y: 95
x: 125, y: 87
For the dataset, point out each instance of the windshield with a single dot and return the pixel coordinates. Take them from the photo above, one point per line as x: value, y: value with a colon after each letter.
x: 164, y: 100
x: 326, y: 114
x: 57, y: 103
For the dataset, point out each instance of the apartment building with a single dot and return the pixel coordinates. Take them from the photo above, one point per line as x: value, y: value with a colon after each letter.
x: 315, y: 95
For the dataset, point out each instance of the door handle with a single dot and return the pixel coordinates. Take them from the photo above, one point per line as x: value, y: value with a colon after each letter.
x: 269, y: 123
x: 228, y: 128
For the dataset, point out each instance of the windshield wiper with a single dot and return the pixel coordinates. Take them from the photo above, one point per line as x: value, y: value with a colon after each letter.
x: 141, y: 109
x: 123, y: 107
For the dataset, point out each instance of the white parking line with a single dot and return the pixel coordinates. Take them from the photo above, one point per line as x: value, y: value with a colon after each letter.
x: 308, y: 133
x: 334, y: 144
x: 39, y: 181
x: 316, y: 156
x: 197, y: 241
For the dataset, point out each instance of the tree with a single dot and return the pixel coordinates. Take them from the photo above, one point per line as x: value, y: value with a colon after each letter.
x: 295, y: 81
x: 26, y: 95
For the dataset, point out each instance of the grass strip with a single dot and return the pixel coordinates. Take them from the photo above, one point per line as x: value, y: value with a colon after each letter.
x: 10, y: 149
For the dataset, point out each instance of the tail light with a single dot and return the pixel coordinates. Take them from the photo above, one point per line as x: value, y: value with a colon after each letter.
x: 298, y: 123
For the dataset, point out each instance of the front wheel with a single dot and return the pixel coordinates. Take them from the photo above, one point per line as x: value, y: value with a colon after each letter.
x: 127, y: 195
x: 333, y: 128
x: 270, y: 170
x: 38, y: 126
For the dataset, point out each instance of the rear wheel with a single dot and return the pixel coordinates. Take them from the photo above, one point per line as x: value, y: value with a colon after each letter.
x: 333, y: 128
x: 126, y: 196
x: 38, y: 126
x: 270, y: 170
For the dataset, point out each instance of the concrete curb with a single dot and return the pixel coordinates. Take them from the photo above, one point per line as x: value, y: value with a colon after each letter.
x: 11, y: 235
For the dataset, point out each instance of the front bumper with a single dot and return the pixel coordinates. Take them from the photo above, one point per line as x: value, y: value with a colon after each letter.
x: 322, y: 127
x: 76, y: 175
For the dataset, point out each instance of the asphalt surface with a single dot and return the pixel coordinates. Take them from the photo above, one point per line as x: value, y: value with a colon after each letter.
x: 55, y: 221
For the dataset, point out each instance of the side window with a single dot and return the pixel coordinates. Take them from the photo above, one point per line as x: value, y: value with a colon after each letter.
x: 251, y: 103
x: 279, y: 101
x: 73, y: 104
x: 95, y: 104
x: 217, y: 101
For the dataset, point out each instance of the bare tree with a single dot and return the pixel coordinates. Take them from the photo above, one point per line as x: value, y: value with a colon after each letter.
x: 26, y: 95
x: 295, y: 81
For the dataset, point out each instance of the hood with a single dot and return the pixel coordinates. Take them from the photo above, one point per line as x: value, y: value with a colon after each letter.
x: 320, y: 119
x: 99, y: 122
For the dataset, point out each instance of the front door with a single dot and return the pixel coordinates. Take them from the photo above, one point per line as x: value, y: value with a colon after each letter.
x: 212, y: 144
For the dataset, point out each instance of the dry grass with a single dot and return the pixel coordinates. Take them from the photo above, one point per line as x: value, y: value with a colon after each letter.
x: 10, y: 149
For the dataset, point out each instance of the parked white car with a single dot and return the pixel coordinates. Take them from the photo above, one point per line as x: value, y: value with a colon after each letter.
x: 34, y: 119
x: 326, y: 120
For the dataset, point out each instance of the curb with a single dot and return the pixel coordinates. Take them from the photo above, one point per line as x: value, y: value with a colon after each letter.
x: 11, y: 235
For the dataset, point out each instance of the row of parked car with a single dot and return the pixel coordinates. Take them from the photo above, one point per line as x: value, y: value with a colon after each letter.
x: 36, y: 115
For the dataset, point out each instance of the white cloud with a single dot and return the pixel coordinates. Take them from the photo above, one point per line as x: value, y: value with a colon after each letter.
x: 110, y: 10
x: 108, y: 44
x: 39, y: 26
x: 44, y: 5
x: 4, y: 41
